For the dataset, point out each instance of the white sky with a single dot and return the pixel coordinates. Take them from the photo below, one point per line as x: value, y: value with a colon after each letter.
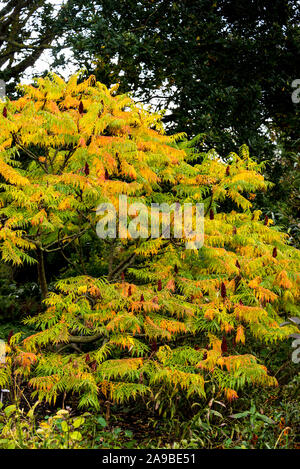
x: 45, y: 60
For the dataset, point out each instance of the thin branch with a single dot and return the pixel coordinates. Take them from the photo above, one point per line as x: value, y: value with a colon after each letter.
x: 84, y: 339
x: 209, y: 206
x: 29, y: 153
x: 71, y: 237
x: 20, y: 45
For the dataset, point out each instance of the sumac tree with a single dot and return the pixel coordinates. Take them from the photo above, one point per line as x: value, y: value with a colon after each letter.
x: 162, y: 318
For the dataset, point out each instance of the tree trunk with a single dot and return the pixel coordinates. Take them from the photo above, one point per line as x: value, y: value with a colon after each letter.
x: 41, y: 273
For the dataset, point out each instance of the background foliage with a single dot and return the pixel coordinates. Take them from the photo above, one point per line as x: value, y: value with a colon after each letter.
x: 222, y: 73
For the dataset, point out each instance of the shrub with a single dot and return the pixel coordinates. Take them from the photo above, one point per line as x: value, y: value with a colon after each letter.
x: 163, y: 320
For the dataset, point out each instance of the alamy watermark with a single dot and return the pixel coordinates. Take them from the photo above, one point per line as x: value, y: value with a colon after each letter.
x: 159, y: 220
x: 2, y: 89
x: 296, y: 93
x: 2, y: 351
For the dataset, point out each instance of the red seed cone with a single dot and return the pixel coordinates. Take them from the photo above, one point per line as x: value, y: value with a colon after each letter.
x: 234, y: 230
x: 274, y: 252
x: 11, y: 333
x: 223, y: 290
x: 159, y: 286
x: 142, y: 297
x: 237, y: 264
x: 211, y: 214
x: 228, y: 171
x: 4, y: 112
x: 266, y: 220
x: 86, y: 169
x: 154, y: 346
x: 224, y: 347
x: 80, y: 108
x: 106, y: 175
x: 93, y: 365
x: 129, y: 290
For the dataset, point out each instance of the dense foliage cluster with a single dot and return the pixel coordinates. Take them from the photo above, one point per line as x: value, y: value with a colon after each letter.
x: 154, y: 319
x: 223, y: 69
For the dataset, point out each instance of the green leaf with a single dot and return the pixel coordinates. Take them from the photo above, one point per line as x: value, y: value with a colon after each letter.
x: 78, y: 422
x: 240, y: 415
x: 31, y: 411
x: 215, y: 412
x: 265, y: 419
x: 76, y: 436
x: 117, y: 431
x: 10, y: 410
x: 64, y: 426
x: 101, y: 421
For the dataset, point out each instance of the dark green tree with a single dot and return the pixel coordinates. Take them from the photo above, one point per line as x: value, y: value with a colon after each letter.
x: 223, y: 68
x: 27, y: 29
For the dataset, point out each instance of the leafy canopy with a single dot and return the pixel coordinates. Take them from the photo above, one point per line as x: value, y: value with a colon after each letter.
x: 161, y: 317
